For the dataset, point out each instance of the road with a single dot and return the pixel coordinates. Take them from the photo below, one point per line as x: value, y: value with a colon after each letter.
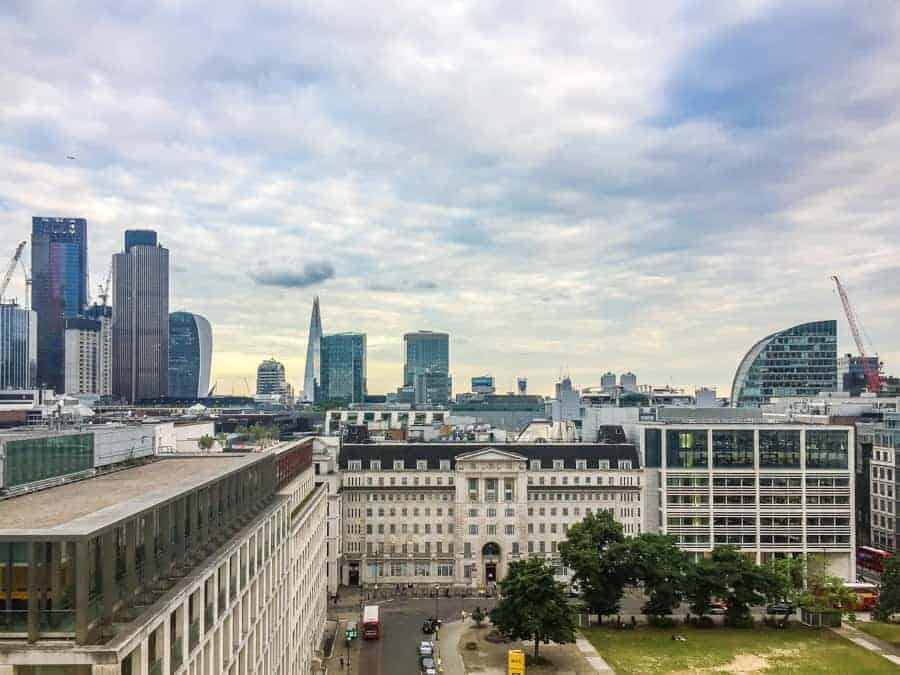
x: 396, y: 652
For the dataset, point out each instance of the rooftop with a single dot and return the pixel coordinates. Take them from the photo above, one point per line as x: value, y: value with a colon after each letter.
x: 86, y: 506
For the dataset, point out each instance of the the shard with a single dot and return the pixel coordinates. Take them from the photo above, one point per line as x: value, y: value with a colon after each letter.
x: 313, y: 375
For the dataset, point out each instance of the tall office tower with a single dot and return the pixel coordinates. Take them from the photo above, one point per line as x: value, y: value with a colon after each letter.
x: 103, y: 315
x: 59, y: 270
x: 270, y: 378
x: 797, y: 361
x: 312, y: 378
x: 88, y: 342
x: 141, y: 318
x: 522, y: 386
x: 427, y: 353
x: 628, y: 381
x: 190, y: 355
x: 18, y: 347
x: 344, y: 367
x: 608, y: 381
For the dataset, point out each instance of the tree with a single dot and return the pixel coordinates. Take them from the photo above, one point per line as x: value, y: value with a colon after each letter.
x: 533, y: 606
x: 703, y: 586
x: 478, y: 616
x: 743, y: 582
x: 787, y: 577
x: 656, y: 561
x: 205, y: 442
x: 889, y: 599
x: 601, y: 578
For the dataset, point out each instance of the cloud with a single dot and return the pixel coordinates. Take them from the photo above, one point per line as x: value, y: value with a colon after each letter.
x: 403, y: 286
x: 312, y: 273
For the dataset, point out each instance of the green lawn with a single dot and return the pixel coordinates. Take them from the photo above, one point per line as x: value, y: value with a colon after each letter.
x: 889, y: 632
x: 795, y: 651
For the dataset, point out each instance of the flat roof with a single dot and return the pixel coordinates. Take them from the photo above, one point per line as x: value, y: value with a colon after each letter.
x: 86, y: 506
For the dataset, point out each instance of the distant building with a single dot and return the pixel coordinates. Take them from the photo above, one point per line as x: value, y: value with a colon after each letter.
x: 270, y: 378
x: 344, y: 367
x: 483, y: 384
x: 190, y: 355
x: 431, y: 388
x: 705, y: 397
x: 18, y: 347
x: 797, y: 361
x: 502, y: 411
x: 59, y: 270
x: 608, y: 381
x: 141, y: 319
x: 884, y: 475
x: 628, y: 381
x: 88, y: 349
x: 312, y: 377
x: 522, y: 386
x: 567, y: 405
x: 851, y: 372
x: 104, y: 315
x: 427, y: 352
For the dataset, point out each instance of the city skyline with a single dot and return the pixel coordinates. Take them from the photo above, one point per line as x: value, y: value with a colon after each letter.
x: 654, y: 196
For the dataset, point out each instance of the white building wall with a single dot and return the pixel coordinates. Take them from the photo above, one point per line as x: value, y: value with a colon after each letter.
x: 187, y: 436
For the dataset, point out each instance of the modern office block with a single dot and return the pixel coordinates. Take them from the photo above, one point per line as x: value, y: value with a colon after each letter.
x: 18, y: 347
x: 884, y: 480
x: 483, y: 384
x: 82, y: 349
x: 312, y: 376
x: 59, y: 270
x: 141, y: 321
x: 798, y: 361
x: 344, y: 367
x: 190, y: 355
x: 270, y: 378
x: 427, y: 352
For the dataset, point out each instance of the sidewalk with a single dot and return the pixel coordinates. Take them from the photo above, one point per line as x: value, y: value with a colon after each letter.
x: 451, y: 661
x: 870, y: 643
x: 592, y: 656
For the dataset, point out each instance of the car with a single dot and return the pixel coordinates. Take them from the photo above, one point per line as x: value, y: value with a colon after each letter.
x: 427, y: 665
x: 718, y: 608
x: 426, y: 649
x: 780, y: 608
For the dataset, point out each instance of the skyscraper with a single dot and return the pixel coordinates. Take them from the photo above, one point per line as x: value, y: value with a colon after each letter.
x: 89, y: 352
x: 797, y: 361
x: 344, y: 367
x: 18, y: 347
x: 190, y: 355
x: 59, y: 269
x: 141, y: 319
x: 427, y: 353
x: 312, y: 378
x: 270, y: 378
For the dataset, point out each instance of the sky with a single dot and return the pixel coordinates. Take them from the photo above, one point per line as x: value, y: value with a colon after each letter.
x: 564, y: 187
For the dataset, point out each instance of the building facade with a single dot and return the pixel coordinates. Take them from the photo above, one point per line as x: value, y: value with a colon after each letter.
x: 883, y: 484
x: 459, y: 514
x: 797, y: 361
x: 59, y: 270
x: 426, y: 366
x: 312, y: 376
x: 18, y: 347
x: 773, y: 490
x: 190, y: 355
x: 344, y: 367
x: 483, y: 384
x: 270, y: 378
x: 82, y: 351
x: 235, y: 586
x: 141, y: 318
x: 851, y: 372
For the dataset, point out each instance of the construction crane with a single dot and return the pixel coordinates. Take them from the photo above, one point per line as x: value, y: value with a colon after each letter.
x: 104, y: 287
x: 873, y: 378
x: 11, y: 267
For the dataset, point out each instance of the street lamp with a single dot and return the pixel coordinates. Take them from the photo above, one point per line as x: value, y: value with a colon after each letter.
x: 437, y: 616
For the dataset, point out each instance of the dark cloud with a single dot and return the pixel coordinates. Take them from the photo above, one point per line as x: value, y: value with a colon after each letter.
x: 310, y: 274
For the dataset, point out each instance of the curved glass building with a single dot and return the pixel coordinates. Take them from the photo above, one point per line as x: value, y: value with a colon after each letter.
x: 797, y: 361
x: 190, y: 355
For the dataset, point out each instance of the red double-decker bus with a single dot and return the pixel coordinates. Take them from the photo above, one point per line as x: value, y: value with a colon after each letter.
x: 371, y: 625
x: 870, y: 561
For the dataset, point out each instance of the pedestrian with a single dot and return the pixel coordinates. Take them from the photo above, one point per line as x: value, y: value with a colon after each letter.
x: 342, y: 663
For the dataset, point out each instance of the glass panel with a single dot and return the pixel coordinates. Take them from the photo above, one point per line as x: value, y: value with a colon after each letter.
x: 686, y: 448
x: 826, y: 450
x: 732, y: 448
x: 779, y: 449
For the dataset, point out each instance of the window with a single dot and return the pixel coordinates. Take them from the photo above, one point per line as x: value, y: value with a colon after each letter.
x: 492, y: 513
x: 686, y: 448
x: 625, y: 464
x: 779, y: 449
x: 354, y: 465
x: 491, y: 529
x: 398, y: 465
x: 490, y: 489
x: 604, y: 464
x: 473, y: 530
x: 473, y: 513
x: 826, y: 450
x: 473, y: 489
x: 374, y: 465
x: 509, y: 489
x: 581, y: 464
x: 445, y: 465
x: 509, y: 530
x: 733, y: 448
x: 421, y: 465
x: 558, y: 465
x: 535, y: 465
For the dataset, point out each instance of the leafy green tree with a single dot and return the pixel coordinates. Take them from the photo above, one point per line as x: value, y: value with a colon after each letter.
x: 743, y: 581
x: 656, y: 561
x: 889, y: 599
x: 703, y: 586
x: 205, y: 442
x: 478, y: 616
x: 533, y: 606
x: 601, y: 578
x: 787, y: 576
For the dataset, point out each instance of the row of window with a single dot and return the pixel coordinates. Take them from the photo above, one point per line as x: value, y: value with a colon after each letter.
x: 533, y: 465
x: 764, y: 521
x: 750, y: 500
x: 750, y: 481
x: 576, y: 480
x: 764, y: 539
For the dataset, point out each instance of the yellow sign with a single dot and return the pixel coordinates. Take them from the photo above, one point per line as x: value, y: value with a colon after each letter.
x: 516, y: 662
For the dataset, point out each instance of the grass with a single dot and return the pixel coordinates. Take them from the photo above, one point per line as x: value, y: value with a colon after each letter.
x: 889, y: 632
x: 795, y: 651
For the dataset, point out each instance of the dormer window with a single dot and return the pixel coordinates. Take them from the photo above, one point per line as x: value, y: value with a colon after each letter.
x: 604, y: 464
x: 558, y: 464
x: 535, y: 465
x: 398, y: 465
x: 374, y: 465
x: 581, y: 464
x: 354, y: 465
x: 445, y: 465
x: 625, y: 464
x: 421, y: 465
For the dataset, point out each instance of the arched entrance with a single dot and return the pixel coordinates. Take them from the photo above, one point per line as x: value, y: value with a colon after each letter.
x: 490, y: 554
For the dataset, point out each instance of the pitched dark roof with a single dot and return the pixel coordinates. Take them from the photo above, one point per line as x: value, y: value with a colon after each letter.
x: 388, y: 453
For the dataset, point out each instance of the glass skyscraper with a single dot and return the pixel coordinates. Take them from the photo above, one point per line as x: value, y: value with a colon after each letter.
x: 190, y: 355
x: 344, y: 367
x: 59, y: 270
x: 18, y: 347
x: 312, y: 376
x: 798, y: 361
x: 426, y: 365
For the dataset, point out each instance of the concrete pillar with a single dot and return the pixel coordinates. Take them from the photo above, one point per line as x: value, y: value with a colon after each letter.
x: 180, y: 526
x: 149, y: 547
x: 131, y: 581
x: 165, y: 538
x: 82, y: 591
x: 57, y: 582
x: 34, y: 578
x: 108, y: 564
x: 204, y: 515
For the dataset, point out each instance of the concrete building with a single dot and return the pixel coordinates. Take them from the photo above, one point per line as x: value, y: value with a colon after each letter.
x: 773, y: 490
x: 140, y: 278
x: 190, y: 355
x: 312, y: 376
x: 851, y: 372
x: 344, y: 367
x: 608, y: 381
x: 18, y: 347
x: 883, y: 484
x: 628, y: 381
x: 82, y: 346
x: 458, y: 514
x: 567, y: 404
x: 483, y: 384
x: 426, y: 366
x: 270, y: 378
x: 501, y: 411
x: 797, y: 361
x: 59, y: 271
x: 182, y: 565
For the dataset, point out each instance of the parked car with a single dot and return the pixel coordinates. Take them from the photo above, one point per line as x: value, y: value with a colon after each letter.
x: 780, y: 608
x: 427, y: 666
x: 718, y: 608
x: 426, y: 648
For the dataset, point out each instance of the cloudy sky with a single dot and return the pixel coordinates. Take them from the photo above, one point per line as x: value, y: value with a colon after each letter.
x: 581, y: 186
